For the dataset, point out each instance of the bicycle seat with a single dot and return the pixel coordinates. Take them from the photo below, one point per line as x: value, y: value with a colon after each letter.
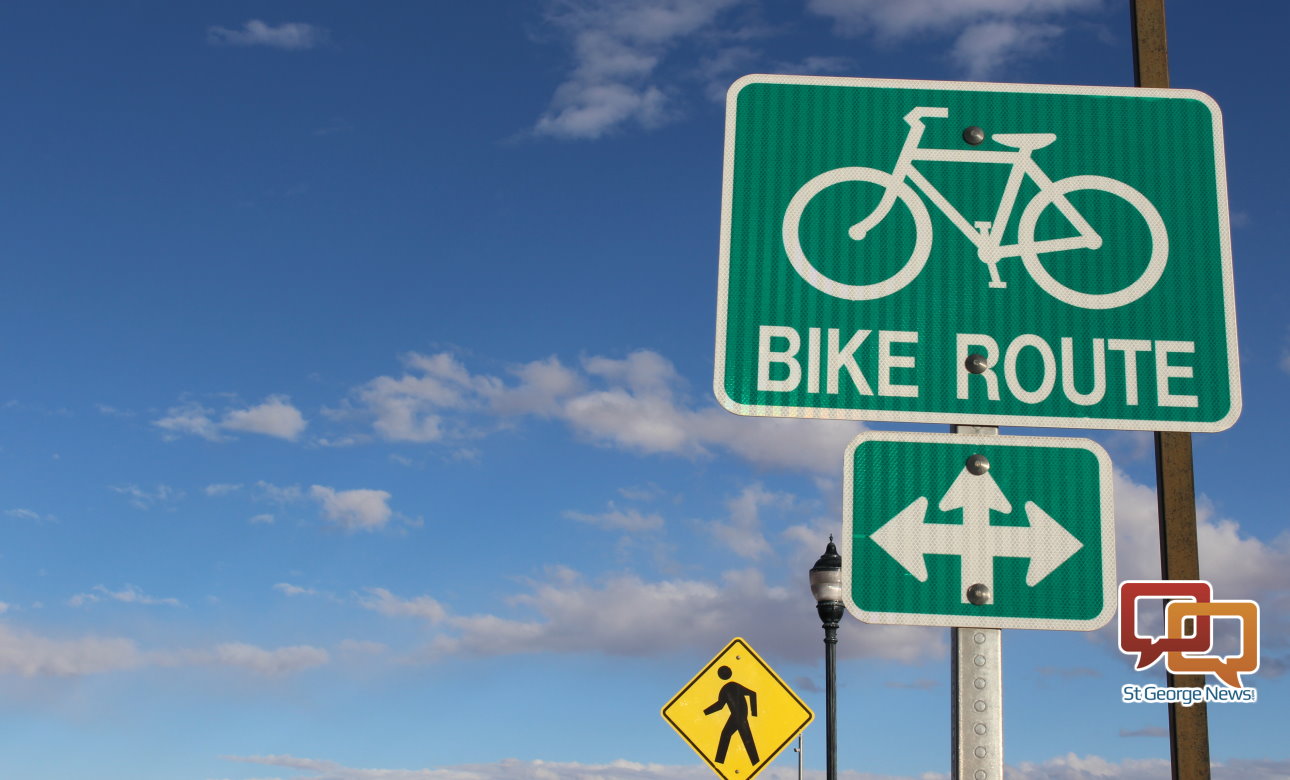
x: 1030, y: 141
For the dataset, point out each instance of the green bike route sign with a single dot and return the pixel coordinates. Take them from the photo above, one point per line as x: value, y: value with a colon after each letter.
x: 993, y: 254
x: 981, y: 531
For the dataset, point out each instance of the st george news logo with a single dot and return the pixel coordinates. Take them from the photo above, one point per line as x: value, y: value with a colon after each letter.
x: 1188, y: 641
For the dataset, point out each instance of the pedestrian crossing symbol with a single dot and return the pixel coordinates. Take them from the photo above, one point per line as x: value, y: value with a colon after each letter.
x: 737, y: 713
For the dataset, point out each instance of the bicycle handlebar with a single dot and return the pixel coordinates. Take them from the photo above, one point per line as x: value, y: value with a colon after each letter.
x: 916, y: 116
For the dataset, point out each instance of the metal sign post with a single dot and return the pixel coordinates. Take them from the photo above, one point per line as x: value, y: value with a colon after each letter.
x: 1175, y: 488
x: 976, y: 701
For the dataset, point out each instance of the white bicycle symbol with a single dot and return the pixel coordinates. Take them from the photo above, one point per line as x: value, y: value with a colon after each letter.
x: 987, y: 236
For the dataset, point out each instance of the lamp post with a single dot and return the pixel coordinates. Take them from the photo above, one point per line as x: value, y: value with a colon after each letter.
x: 826, y: 586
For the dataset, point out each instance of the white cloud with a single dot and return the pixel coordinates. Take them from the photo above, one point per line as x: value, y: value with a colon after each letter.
x: 1074, y: 767
x: 291, y: 36
x: 589, y: 110
x: 112, y: 411
x: 189, y: 418
x: 647, y: 424
x: 1128, y: 446
x: 1137, y: 534
x: 28, y: 514
x: 567, y: 615
x: 143, y: 499
x: 1239, y: 565
x: 618, y: 45
x: 275, y: 417
x: 988, y: 33
x: 912, y: 17
x: 778, y: 442
x: 743, y: 532
x: 360, y: 648
x: 129, y: 594
x: 279, y: 494
x: 424, y: 607
x: 272, y: 663
x: 542, y: 385
x: 1068, y: 767
x: 221, y: 489
x: 30, y: 655
x: 640, y: 411
x: 506, y: 769
x: 410, y: 408
x: 642, y: 372
x: 615, y: 519
x: 984, y: 49
x: 634, y: 403
x: 816, y: 65
x: 294, y: 590
x: 721, y: 67
x: 648, y: 492
x: 353, y: 510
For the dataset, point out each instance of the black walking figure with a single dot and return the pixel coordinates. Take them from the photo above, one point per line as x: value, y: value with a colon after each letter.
x: 733, y: 696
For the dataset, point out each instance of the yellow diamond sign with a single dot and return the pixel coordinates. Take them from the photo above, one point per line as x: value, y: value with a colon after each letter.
x: 737, y: 713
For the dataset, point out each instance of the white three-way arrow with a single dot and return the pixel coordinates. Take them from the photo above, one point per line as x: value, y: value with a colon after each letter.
x: 907, y: 538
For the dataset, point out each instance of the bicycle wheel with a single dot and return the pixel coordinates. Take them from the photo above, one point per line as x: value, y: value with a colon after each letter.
x: 1157, y: 255
x: 889, y: 184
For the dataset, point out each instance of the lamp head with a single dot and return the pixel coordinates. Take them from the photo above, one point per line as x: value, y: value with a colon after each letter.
x: 826, y: 575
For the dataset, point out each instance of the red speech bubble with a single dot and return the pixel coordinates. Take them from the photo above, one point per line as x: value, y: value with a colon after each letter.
x: 1149, y: 649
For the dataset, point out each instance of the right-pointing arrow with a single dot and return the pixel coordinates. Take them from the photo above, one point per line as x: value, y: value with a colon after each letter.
x: 1051, y: 544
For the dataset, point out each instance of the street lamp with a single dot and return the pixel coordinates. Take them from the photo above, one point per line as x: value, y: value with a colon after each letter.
x: 826, y: 586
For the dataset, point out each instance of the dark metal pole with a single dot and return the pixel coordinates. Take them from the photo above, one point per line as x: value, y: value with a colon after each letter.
x: 831, y: 615
x: 826, y: 585
x: 1175, y: 488
x: 1179, y: 560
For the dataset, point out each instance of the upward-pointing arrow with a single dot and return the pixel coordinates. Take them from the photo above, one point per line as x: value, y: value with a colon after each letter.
x: 907, y: 538
x: 976, y: 495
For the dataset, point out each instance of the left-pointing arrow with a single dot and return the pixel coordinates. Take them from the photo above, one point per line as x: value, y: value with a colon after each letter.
x: 903, y: 538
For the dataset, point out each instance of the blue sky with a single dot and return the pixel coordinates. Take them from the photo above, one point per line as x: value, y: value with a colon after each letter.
x: 358, y: 423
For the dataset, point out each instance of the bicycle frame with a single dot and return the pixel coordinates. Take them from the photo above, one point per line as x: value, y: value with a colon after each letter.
x: 986, y: 236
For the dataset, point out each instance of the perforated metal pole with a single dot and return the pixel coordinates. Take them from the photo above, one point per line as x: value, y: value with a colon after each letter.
x: 1175, y: 488
x: 976, y: 698
x: 976, y: 708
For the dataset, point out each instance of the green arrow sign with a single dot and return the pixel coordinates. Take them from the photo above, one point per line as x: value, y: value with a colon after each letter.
x: 976, y: 254
x: 982, y: 531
